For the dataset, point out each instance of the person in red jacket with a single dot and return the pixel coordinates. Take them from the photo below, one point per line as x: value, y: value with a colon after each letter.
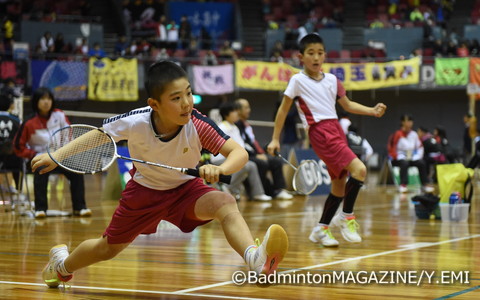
x: 32, y: 139
x: 405, y: 149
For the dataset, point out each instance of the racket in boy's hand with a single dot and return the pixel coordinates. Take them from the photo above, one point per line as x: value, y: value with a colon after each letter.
x: 94, y: 151
x: 306, y: 177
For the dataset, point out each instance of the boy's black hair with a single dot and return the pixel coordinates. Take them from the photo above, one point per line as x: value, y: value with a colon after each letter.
x: 226, y: 109
x: 311, y: 38
x: 38, y: 94
x: 160, y: 74
x: 5, y: 102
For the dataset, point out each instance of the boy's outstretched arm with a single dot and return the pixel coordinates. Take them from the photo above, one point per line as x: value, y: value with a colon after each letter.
x: 356, y: 108
x: 44, y: 162
x: 282, y: 113
x: 236, y: 157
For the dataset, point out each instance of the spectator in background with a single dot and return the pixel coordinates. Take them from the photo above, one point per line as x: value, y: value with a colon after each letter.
x: 161, y: 31
x: 265, y: 163
x: 206, y: 39
x: 432, y: 152
x: 82, y: 47
x: 474, y: 47
x: 192, y: 50
x: 462, y: 50
x: 359, y: 145
x: 276, y: 57
x: 440, y: 135
x: 143, y: 48
x: 185, y: 32
x: 172, y: 35
x: 11, y: 124
x: 405, y: 149
x: 96, y: 51
x: 47, y: 44
x: 60, y: 45
x: 120, y: 46
x: 210, y: 59
x: 226, y: 51
x: 8, y: 29
x: 469, y: 122
x: 249, y: 171
x: 32, y: 139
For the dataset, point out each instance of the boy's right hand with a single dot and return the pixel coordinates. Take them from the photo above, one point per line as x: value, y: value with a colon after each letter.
x: 43, y: 163
x: 273, y: 147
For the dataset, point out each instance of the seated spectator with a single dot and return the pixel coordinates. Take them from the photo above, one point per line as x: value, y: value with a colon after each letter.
x: 265, y: 163
x: 405, y: 149
x: 226, y: 51
x: 96, y: 51
x: 440, y: 135
x: 359, y: 145
x: 432, y: 154
x: 276, y: 57
x: 249, y: 172
x: 47, y: 44
x: 82, y: 47
x: 210, y: 59
x: 8, y: 160
x: 120, y: 46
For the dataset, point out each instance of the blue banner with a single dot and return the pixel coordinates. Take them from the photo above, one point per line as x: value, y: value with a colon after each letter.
x: 216, y: 18
x: 324, y: 180
x: 67, y: 80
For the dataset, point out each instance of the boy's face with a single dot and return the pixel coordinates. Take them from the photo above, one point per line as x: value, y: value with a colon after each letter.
x: 175, y: 104
x: 313, y: 57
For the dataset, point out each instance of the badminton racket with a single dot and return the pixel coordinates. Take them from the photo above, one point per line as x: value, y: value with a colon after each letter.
x: 95, y: 151
x: 306, y: 176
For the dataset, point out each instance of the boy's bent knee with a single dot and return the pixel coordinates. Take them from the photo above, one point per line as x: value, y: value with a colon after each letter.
x: 359, y: 172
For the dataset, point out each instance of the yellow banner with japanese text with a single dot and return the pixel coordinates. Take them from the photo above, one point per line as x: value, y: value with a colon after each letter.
x: 354, y: 76
x: 113, y: 80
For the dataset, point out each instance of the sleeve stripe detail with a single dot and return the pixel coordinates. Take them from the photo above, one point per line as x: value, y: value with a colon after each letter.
x: 133, y: 112
x: 212, y: 138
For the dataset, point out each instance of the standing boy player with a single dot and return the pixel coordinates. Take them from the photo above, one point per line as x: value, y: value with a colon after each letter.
x: 316, y: 94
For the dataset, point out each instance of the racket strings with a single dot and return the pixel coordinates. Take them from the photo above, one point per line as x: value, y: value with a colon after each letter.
x: 90, y: 153
x: 306, y: 177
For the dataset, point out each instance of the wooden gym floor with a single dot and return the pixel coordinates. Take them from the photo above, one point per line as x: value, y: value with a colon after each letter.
x: 401, y: 257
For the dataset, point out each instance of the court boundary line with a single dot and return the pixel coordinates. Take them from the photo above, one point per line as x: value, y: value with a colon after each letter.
x: 135, y: 291
x: 412, y: 247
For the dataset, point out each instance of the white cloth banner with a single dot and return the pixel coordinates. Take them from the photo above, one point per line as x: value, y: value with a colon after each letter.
x: 213, y: 80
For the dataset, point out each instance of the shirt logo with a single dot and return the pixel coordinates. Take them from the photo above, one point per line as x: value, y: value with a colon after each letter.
x: 185, y: 150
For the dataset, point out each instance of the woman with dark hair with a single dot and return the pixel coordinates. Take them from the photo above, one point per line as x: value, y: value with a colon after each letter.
x: 440, y: 135
x: 405, y: 149
x: 32, y: 139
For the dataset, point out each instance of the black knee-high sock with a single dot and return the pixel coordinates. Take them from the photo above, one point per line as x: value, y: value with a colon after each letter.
x: 351, y: 191
x: 331, y: 205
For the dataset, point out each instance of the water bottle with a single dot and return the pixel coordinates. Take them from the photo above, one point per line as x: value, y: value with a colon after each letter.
x: 455, y: 198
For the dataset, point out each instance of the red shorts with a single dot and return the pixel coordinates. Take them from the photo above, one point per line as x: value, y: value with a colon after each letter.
x: 141, y: 209
x: 330, y: 144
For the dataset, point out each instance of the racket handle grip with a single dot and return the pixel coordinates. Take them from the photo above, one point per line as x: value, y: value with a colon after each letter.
x: 223, y: 178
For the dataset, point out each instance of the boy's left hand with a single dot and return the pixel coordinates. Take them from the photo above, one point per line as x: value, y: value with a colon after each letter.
x: 210, y: 173
x: 379, y: 110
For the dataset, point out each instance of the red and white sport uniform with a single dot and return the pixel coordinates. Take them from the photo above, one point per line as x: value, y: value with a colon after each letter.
x: 154, y: 194
x: 315, y: 100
